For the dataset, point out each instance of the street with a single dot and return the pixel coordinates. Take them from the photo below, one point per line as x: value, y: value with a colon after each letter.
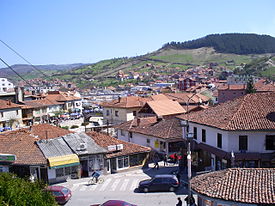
x: 122, y: 186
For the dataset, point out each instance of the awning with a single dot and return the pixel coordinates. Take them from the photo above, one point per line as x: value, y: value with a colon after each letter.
x: 63, y: 161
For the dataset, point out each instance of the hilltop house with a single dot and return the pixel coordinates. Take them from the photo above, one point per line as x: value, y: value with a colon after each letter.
x: 240, y: 132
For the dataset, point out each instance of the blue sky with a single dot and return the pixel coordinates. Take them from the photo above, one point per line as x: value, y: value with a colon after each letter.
x: 87, y: 31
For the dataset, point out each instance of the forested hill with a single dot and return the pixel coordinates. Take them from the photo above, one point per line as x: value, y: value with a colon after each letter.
x: 230, y: 43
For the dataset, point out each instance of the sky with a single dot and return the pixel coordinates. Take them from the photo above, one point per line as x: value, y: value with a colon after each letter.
x: 87, y: 31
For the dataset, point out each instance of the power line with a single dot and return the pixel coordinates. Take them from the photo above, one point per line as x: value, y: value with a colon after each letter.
x: 15, y: 72
x: 24, y: 58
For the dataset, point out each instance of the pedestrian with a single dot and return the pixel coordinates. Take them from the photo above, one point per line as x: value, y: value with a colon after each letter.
x: 156, y: 166
x: 176, y: 158
x: 165, y: 159
x: 190, y: 202
x: 178, y: 176
x: 179, y: 202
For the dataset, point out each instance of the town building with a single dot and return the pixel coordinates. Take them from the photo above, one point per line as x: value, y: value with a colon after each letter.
x: 186, y: 83
x: 240, y: 132
x: 5, y: 85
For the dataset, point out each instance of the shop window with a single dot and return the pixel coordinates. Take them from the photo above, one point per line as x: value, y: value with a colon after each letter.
x: 123, y: 162
x: 203, y: 135
x: 59, y: 172
x: 270, y: 142
x: 243, y: 142
x: 126, y: 161
x: 195, y: 132
x: 219, y: 140
x: 67, y: 170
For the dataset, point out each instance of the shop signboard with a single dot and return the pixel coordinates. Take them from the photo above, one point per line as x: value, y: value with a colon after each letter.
x: 7, y: 157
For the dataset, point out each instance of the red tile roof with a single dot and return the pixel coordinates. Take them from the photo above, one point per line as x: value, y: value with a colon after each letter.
x: 60, y: 96
x: 244, y: 185
x: 126, y: 102
x: 249, y: 112
x: 165, y: 129
x: 166, y: 107
x: 22, y: 144
x: 104, y: 141
x: 183, y: 97
x: 8, y: 104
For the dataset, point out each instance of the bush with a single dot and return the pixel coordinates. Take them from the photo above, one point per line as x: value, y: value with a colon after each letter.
x: 74, y: 126
x: 18, y: 191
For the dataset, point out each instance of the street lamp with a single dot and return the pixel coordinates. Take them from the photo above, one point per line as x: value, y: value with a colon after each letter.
x: 189, y: 137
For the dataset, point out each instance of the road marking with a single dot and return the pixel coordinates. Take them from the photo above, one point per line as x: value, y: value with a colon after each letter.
x: 83, y: 188
x: 105, y: 184
x: 134, y: 184
x: 124, y: 185
x: 114, y: 185
x: 74, y: 187
x: 92, y: 187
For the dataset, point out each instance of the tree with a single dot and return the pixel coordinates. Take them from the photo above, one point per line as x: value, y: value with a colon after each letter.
x: 22, y: 192
x: 250, y: 86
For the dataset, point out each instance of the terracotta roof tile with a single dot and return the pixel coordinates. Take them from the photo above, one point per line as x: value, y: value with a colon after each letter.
x: 165, y: 129
x: 183, y: 97
x: 250, y: 112
x: 104, y: 141
x: 8, y: 104
x: 22, y: 144
x: 126, y: 102
x: 245, y: 185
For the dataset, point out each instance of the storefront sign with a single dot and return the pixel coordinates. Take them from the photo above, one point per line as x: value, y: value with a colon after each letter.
x: 7, y: 158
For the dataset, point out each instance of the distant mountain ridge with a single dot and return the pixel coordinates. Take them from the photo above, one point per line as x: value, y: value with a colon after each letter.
x: 235, y: 43
x: 25, y: 69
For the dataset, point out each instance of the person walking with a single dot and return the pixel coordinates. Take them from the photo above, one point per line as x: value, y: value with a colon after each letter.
x: 156, y: 166
x: 179, y: 202
x: 165, y: 159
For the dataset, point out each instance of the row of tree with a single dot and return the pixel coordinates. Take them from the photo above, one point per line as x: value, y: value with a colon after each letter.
x: 230, y: 43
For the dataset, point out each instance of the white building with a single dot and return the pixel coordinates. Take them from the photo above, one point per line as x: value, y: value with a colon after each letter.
x: 10, y: 114
x: 238, y: 133
x: 5, y: 85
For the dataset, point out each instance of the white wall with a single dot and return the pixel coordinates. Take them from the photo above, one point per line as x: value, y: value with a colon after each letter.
x: 11, y: 113
x: 230, y: 139
x: 124, y: 115
x: 5, y: 85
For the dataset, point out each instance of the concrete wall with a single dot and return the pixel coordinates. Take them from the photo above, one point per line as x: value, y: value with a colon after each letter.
x: 11, y: 114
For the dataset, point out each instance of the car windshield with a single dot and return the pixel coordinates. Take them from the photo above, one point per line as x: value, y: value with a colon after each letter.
x: 65, y: 190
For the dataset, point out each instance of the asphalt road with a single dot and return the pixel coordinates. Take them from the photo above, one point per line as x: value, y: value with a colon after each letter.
x: 122, y: 186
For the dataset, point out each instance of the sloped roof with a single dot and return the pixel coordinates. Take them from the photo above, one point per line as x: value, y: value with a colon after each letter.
x: 157, y: 97
x: 249, y: 112
x: 61, y: 96
x: 8, y: 104
x: 47, y: 131
x: 54, y: 147
x: 245, y: 185
x: 165, y: 129
x: 184, y: 97
x: 126, y: 102
x: 104, y: 141
x: 22, y: 144
x: 74, y: 141
x: 165, y: 107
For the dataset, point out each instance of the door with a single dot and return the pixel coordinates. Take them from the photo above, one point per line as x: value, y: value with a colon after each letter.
x: 156, y: 185
x: 35, y: 172
x: 113, y: 165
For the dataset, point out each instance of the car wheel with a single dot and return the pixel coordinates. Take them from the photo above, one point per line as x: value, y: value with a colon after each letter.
x: 171, y: 189
x: 145, y: 189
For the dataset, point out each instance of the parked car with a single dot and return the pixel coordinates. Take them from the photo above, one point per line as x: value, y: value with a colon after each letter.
x: 60, y: 193
x: 160, y: 183
x: 65, y: 116
x: 75, y: 115
x: 115, y: 203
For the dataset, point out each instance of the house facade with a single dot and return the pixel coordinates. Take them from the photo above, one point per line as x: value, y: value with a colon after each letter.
x: 121, y: 155
x: 5, y: 85
x: 10, y: 114
x: 238, y: 133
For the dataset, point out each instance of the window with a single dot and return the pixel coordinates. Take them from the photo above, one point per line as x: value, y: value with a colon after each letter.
x: 59, y: 172
x: 122, y: 133
x: 107, y: 112
x: 123, y: 162
x: 2, y: 114
x: 243, y: 142
x: 130, y: 134
x: 270, y: 142
x: 17, y: 112
x: 148, y: 141
x: 219, y: 140
x: 195, y: 132
x: 134, y: 113
x: 203, y: 135
x: 116, y: 113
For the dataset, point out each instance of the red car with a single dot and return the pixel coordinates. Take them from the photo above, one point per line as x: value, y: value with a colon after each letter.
x: 115, y: 203
x: 60, y: 193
